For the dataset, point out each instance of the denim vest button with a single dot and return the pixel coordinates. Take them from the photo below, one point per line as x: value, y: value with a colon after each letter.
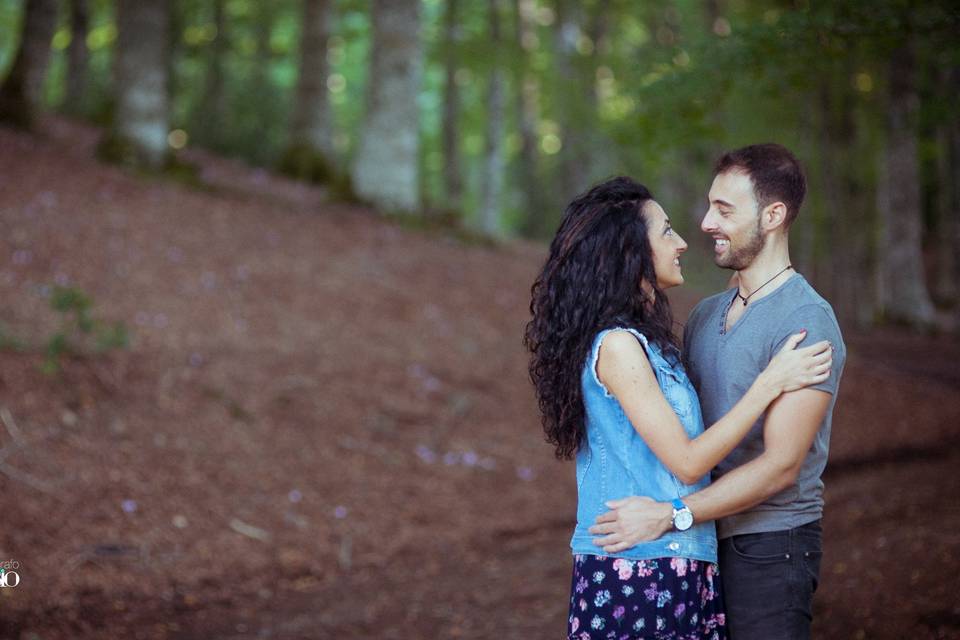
x: 673, y: 546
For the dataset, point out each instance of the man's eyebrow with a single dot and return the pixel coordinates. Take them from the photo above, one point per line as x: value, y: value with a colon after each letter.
x: 722, y: 202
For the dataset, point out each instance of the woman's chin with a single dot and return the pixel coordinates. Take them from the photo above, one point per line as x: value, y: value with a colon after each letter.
x: 671, y: 284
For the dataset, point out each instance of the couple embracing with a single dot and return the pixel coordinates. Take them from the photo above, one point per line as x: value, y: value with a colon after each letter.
x: 759, y: 366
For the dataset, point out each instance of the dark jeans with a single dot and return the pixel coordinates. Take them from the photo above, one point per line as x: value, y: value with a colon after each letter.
x: 768, y: 582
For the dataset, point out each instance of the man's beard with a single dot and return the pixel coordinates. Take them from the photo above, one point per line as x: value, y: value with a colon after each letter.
x: 740, y: 258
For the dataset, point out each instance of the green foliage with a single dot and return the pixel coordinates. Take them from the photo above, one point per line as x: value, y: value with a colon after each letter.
x: 79, y: 331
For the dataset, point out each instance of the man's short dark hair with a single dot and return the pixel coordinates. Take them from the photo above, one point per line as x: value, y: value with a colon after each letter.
x: 774, y: 171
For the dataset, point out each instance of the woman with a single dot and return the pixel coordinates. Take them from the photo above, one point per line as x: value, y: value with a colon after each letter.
x: 614, y: 393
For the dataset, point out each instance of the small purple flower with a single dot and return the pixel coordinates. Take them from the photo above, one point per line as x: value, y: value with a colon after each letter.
x: 652, y: 592
x: 470, y: 458
x: 129, y: 506
x: 340, y: 512
x: 679, y: 611
x: 294, y: 496
x: 451, y: 458
x: 426, y: 454
x: 525, y: 473
x: 618, y: 612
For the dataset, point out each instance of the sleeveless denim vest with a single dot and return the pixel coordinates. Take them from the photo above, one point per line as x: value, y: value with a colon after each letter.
x: 615, y: 462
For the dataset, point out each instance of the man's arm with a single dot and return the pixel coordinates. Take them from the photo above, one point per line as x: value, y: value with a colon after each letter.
x: 791, y: 424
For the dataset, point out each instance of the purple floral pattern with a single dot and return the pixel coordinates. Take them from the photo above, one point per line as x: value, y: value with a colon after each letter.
x: 662, y: 598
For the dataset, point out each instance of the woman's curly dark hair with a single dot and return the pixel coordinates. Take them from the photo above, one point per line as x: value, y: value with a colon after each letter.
x: 591, y: 281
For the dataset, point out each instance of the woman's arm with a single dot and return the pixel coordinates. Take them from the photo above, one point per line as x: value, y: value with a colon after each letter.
x: 623, y: 367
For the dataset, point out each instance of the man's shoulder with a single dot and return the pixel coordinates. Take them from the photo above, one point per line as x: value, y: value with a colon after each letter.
x: 803, y: 297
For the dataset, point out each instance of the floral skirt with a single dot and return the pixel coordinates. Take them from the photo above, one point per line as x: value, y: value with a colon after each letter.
x: 662, y: 598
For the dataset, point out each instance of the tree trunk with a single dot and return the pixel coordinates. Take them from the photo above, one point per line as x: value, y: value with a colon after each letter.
x: 138, y: 136
x: 536, y: 220
x: 948, y: 196
x: 452, y: 170
x: 215, y: 104
x: 386, y: 169
x: 493, y: 171
x: 77, y: 58
x: 309, y: 153
x: 22, y: 91
x: 845, y: 250
x: 573, y: 105
x: 903, y: 293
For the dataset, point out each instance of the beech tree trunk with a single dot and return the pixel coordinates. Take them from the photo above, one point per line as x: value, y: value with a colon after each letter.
x: 386, y: 168
x: 494, y: 165
x: 573, y: 100
x: 948, y: 197
x: 310, y: 151
x: 77, y: 58
x: 22, y: 91
x: 215, y: 105
x: 452, y: 170
x: 141, y: 121
x: 903, y: 290
x: 537, y: 220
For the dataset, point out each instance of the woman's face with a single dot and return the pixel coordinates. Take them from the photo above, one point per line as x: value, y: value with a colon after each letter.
x: 666, y: 244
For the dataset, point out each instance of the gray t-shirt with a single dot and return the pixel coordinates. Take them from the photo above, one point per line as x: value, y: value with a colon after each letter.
x: 723, y: 365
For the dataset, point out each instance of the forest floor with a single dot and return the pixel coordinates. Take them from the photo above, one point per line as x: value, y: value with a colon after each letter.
x: 323, y: 427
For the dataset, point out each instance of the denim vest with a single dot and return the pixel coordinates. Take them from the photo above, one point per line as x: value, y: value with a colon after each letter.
x: 614, y: 461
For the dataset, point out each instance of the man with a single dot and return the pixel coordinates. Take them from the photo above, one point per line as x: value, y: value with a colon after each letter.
x: 767, y: 495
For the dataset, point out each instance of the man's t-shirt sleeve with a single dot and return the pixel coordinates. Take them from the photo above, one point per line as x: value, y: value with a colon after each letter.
x: 820, y: 325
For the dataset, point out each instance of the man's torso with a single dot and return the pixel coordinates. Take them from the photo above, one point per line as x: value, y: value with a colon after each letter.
x: 723, y: 363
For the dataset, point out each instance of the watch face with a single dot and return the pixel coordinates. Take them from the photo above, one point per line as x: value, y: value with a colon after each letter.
x: 683, y: 520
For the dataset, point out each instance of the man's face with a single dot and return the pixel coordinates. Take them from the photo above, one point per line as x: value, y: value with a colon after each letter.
x: 733, y: 220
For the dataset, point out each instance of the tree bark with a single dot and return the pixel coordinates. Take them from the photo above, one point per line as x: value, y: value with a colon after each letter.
x: 138, y: 136
x: 948, y: 197
x: 574, y: 157
x: 309, y: 153
x: 536, y: 220
x: 77, y: 58
x: 215, y: 103
x: 386, y: 169
x: 490, y: 221
x: 903, y: 290
x: 846, y: 283
x: 22, y: 91
x: 452, y: 170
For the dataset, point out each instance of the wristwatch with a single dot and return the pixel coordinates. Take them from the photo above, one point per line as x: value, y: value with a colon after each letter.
x: 682, y: 516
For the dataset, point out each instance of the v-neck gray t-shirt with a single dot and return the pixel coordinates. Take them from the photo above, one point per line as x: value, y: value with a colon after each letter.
x: 723, y: 364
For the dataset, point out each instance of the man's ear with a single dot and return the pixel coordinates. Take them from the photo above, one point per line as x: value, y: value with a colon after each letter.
x: 773, y: 216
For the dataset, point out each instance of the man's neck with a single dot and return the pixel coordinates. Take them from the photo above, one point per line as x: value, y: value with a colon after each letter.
x: 770, y: 263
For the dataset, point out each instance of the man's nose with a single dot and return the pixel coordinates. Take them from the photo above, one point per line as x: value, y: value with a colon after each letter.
x: 708, y: 224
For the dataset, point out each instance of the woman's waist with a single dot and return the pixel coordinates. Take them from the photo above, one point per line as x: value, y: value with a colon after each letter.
x: 699, y: 541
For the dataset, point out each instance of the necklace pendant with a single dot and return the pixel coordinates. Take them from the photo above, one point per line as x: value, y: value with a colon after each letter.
x: 744, y: 302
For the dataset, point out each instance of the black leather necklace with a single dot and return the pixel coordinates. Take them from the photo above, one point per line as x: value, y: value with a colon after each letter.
x: 789, y: 266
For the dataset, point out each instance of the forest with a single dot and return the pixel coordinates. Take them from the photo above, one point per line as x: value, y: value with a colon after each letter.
x: 265, y: 269
x: 491, y: 115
